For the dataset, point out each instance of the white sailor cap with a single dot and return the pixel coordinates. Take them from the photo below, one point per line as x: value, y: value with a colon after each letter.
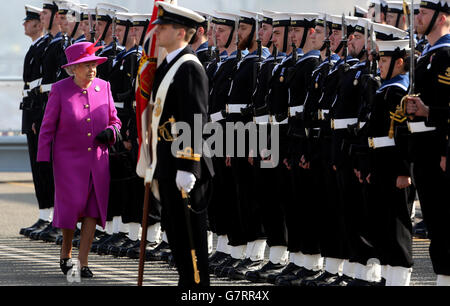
x: 224, y: 18
x: 437, y: 5
x: 169, y: 14
x: 32, y: 12
x: 395, y: 7
x: 247, y: 17
x: 123, y: 18
x: 372, y: 3
x: 86, y: 11
x: 306, y: 20
x: 388, y: 32
x: 336, y: 22
x: 280, y: 19
x: 359, y: 12
x: 64, y: 6
x: 393, y: 47
x: 107, y: 11
x: 141, y: 19
x: 362, y: 25
x: 50, y: 5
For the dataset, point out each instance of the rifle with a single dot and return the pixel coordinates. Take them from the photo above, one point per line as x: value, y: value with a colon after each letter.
x: 344, y: 39
x: 114, y: 36
x: 92, y: 26
x: 239, y: 53
x: 373, y: 51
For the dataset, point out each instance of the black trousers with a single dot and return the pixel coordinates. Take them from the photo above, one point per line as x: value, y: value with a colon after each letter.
x: 333, y: 240
x: 246, y: 220
x: 303, y: 213
x: 394, y: 241
x: 42, y: 174
x: 177, y: 231
x: 433, y: 188
x: 223, y: 195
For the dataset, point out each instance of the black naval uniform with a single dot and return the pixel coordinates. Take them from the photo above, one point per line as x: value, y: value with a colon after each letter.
x: 224, y: 191
x: 387, y: 162
x: 204, y: 54
x: 110, y: 51
x: 355, y: 213
x: 428, y: 145
x: 31, y: 114
x: 302, y: 236
x: 187, y: 95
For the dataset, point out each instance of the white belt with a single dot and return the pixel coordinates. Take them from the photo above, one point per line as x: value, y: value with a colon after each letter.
x: 119, y: 104
x: 25, y: 93
x: 46, y: 88
x: 216, y: 117
x: 381, y: 142
x: 265, y: 119
x: 134, y: 104
x: 322, y: 113
x: 274, y: 121
x: 419, y: 127
x: 293, y: 110
x: 235, y: 108
x: 35, y: 83
x: 361, y: 124
x: 339, y: 124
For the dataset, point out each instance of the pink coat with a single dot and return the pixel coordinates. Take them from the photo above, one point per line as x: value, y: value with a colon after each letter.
x: 73, y: 117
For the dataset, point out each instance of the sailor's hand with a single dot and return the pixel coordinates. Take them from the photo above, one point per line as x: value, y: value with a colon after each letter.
x: 415, y: 106
x: 185, y: 180
x: 403, y: 182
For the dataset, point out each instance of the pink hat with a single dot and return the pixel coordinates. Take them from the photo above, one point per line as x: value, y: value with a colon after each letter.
x: 82, y: 52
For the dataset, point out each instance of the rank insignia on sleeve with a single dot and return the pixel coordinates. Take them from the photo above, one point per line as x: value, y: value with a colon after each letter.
x: 445, y: 79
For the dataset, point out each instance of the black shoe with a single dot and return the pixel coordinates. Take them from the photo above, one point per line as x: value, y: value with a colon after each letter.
x: 341, y: 281
x: 217, y: 262
x: 35, y: 234
x: 245, y: 266
x: 223, y: 270
x: 217, y: 256
x: 161, y: 252
x: 171, y: 262
x: 50, y: 235
x: 86, y: 272
x: 123, y: 249
x: 260, y: 276
x: 420, y: 230
x: 59, y: 240
x: 290, y: 269
x: 76, y: 238
x: 40, y: 224
x: 324, y: 279
x: 114, y: 247
x: 102, y: 248
x: 299, y: 278
x: 65, y: 265
x: 134, y: 251
x: 98, y: 241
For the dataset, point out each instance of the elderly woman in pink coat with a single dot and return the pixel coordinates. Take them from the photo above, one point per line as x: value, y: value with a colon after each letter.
x: 80, y: 122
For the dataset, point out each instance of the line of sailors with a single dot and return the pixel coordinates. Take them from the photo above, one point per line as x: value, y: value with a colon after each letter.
x: 58, y: 24
x: 336, y: 208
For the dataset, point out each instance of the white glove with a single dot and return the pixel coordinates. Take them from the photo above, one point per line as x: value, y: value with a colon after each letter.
x: 185, y: 180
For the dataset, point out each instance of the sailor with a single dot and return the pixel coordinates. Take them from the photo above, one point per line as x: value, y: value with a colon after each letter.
x: 395, y: 15
x: 360, y: 12
x: 31, y: 112
x: 224, y: 192
x: 273, y: 209
x: 200, y: 42
x: 428, y: 141
x: 389, y: 168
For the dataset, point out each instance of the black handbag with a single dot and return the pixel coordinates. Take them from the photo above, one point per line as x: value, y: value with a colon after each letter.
x: 121, y: 166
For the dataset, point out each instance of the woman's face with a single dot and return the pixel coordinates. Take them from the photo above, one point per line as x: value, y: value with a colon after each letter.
x: 85, y: 72
x: 383, y: 64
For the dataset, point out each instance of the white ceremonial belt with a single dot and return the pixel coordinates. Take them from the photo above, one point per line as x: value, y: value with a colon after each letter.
x: 35, y: 83
x: 274, y: 121
x: 134, y: 104
x: 322, y: 113
x: 265, y: 119
x: 339, y: 124
x: 293, y: 110
x: 361, y: 124
x: 119, y: 104
x: 420, y: 127
x: 46, y: 88
x: 216, y: 117
x: 235, y: 108
x: 25, y: 93
x: 381, y: 142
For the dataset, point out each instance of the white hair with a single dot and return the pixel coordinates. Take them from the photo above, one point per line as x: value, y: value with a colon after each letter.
x: 70, y: 69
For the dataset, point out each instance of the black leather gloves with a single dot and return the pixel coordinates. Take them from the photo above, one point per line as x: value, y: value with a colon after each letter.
x: 105, y: 137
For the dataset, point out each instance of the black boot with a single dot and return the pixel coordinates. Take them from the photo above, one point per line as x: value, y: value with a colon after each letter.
x: 260, y: 276
x: 245, y: 266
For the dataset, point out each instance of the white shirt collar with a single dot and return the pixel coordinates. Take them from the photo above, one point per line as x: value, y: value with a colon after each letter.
x: 173, y: 54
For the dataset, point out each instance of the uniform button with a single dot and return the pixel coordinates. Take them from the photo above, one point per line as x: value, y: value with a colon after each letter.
x: 89, y: 149
x: 88, y: 119
x: 89, y: 134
